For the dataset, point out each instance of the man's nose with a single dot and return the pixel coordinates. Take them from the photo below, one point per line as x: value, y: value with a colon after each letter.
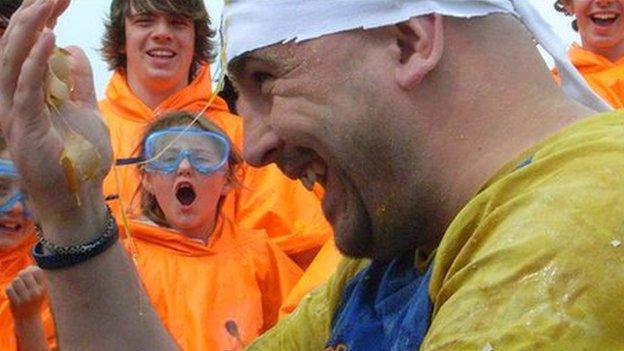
x: 261, y: 143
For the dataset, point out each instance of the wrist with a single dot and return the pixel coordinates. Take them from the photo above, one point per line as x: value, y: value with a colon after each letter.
x: 70, y: 223
x: 50, y: 255
x: 31, y: 315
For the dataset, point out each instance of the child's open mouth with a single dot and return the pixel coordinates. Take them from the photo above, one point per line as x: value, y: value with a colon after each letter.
x: 185, y: 193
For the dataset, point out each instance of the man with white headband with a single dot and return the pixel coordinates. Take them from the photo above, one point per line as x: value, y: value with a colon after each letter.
x: 481, y: 206
x: 433, y: 137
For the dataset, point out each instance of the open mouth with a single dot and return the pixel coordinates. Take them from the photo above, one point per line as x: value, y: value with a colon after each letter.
x: 186, y: 194
x: 604, y: 19
x: 10, y: 227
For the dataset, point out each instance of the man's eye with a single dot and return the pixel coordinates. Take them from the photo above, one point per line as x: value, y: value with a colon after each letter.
x: 260, y: 79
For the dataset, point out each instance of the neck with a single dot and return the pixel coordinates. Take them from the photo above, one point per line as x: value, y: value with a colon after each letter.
x: 504, y: 107
x: 613, y: 53
x: 201, y: 234
x: 153, y: 92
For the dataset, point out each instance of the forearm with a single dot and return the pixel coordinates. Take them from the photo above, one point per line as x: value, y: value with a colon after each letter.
x: 30, y: 334
x: 100, y: 304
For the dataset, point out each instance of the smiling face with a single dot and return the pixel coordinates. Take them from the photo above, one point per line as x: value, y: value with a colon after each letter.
x: 159, y: 50
x: 601, y: 25
x: 310, y: 109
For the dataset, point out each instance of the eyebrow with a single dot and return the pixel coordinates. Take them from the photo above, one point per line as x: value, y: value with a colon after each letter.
x: 237, y: 66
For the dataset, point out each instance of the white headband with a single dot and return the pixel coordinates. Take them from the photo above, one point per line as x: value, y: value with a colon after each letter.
x: 254, y: 24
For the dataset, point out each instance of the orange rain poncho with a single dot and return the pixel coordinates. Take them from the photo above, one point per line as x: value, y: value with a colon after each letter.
x: 605, y: 77
x: 11, y: 263
x: 267, y: 200
x: 239, y: 276
x: 323, y: 266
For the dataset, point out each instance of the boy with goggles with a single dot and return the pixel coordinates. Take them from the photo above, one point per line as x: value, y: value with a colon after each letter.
x: 230, y: 281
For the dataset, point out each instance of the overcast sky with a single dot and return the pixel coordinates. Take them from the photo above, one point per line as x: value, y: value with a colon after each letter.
x: 82, y: 25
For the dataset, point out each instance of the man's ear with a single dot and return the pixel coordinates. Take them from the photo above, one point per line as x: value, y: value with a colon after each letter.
x: 421, y: 42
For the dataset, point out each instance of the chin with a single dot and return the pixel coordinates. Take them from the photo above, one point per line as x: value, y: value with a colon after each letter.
x: 184, y: 225
x: 7, y: 245
x: 353, y: 236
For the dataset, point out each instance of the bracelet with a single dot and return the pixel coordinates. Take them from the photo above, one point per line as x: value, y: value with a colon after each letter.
x: 67, y: 256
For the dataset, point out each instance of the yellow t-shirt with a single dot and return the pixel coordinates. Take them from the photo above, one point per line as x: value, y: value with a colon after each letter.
x: 534, y: 261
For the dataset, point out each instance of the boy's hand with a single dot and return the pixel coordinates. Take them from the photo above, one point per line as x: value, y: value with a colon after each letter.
x: 27, y: 292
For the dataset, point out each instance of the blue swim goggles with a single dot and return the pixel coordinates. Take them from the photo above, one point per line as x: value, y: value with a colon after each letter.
x: 206, y: 151
x: 10, y: 194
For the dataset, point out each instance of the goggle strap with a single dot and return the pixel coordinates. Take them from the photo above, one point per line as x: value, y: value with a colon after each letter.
x: 129, y: 161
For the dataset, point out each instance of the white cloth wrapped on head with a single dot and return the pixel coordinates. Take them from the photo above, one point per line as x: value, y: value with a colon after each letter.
x: 254, y: 24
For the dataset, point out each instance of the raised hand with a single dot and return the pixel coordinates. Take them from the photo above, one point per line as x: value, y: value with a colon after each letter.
x: 27, y: 123
x: 27, y: 292
x: 105, y: 290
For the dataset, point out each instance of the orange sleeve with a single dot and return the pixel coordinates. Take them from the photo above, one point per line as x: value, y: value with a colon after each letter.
x: 323, y: 266
x: 289, y: 213
x: 7, y: 337
x: 603, y: 76
x: 11, y: 263
x: 277, y: 275
x: 8, y: 340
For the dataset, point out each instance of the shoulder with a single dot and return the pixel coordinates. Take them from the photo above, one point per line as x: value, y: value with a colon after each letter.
x: 532, y: 248
x: 308, y: 327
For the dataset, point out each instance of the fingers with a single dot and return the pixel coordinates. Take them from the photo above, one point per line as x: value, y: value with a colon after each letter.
x: 61, y: 6
x: 28, y: 286
x: 19, y: 289
x: 28, y: 99
x: 24, y: 5
x: 12, y: 295
x: 38, y: 275
x: 21, y: 35
x: 83, y: 90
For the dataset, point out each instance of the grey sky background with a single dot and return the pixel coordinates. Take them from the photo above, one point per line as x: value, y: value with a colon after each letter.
x: 82, y: 25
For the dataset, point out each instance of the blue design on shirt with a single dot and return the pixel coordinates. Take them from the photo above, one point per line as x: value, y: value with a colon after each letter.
x: 384, y: 307
x: 525, y: 163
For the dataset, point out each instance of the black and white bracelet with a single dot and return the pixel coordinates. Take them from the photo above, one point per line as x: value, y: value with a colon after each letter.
x: 58, y: 257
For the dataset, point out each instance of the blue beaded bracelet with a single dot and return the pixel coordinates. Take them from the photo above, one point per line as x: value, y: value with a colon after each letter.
x: 66, y: 256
